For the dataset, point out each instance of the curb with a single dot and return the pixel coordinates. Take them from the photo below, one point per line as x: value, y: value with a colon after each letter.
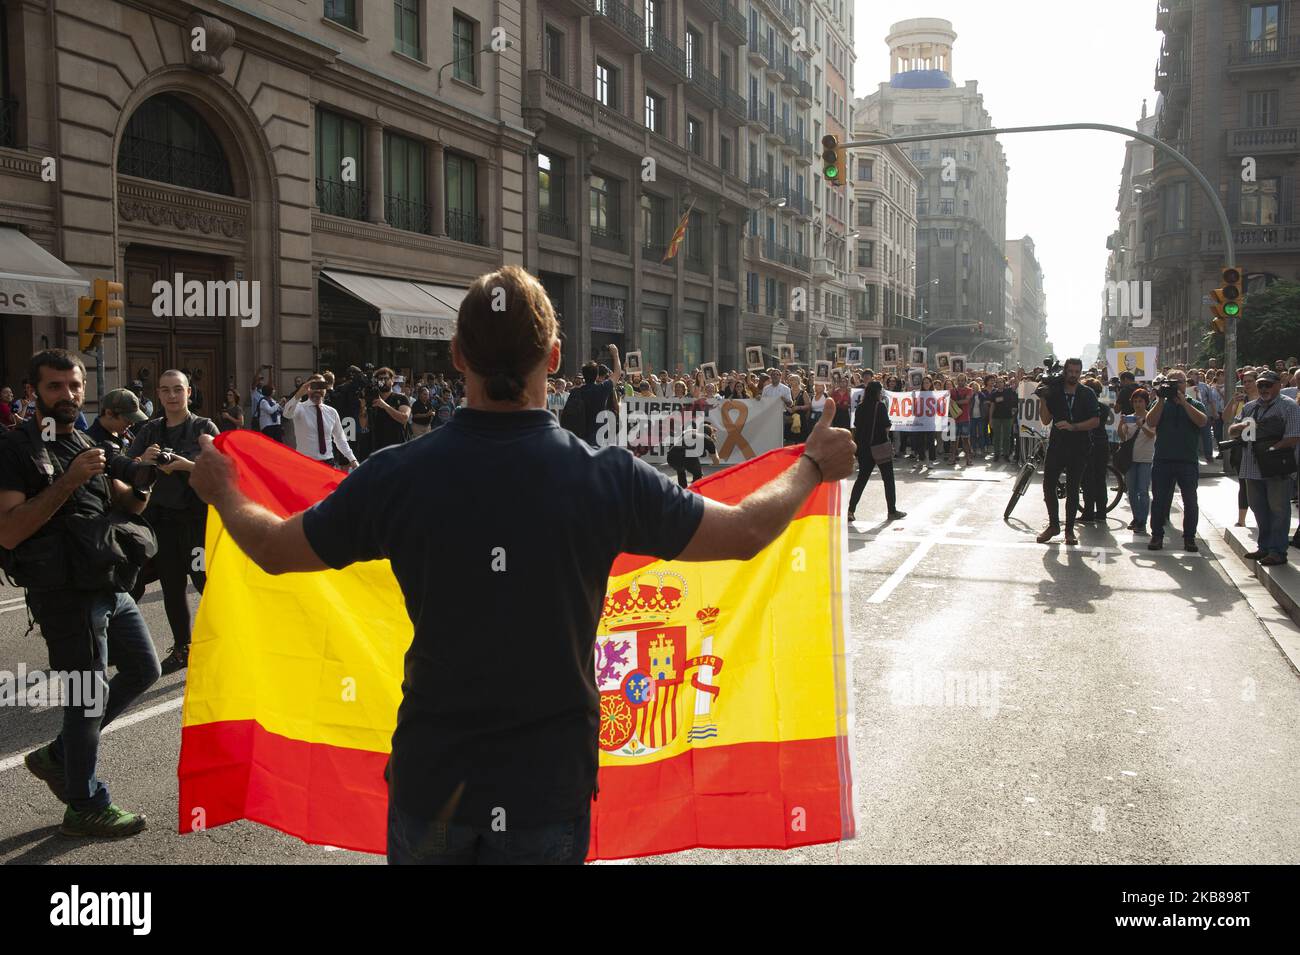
x: 1282, y: 583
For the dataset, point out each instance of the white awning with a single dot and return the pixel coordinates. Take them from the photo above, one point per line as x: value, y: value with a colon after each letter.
x: 33, y: 282
x: 451, y: 297
x: 406, y: 309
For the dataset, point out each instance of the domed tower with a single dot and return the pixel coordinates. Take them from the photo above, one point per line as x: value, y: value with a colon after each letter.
x: 920, y: 54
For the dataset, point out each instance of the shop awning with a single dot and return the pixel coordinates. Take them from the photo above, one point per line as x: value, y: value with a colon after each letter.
x: 406, y: 309
x: 451, y: 297
x: 33, y: 282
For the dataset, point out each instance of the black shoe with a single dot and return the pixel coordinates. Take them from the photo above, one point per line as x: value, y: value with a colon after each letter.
x: 42, y: 764
x: 1272, y: 560
x: 178, y: 659
x: 1156, y: 543
x: 1295, y: 542
x: 1190, y: 547
x: 1134, y: 526
x: 1253, y: 555
x: 896, y: 515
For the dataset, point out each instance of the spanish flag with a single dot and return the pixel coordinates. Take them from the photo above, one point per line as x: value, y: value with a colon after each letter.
x: 724, y: 703
x: 678, y: 235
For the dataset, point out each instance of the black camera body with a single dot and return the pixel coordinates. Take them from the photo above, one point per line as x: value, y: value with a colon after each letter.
x: 136, y: 474
x: 1167, y: 390
x: 1053, y: 378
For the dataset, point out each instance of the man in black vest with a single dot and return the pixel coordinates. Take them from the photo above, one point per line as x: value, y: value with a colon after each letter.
x: 175, y: 512
x: 52, y: 477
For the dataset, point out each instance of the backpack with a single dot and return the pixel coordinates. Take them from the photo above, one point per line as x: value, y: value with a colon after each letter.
x: 573, y: 416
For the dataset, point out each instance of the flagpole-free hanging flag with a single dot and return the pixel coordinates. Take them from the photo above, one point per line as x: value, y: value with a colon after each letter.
x: 724, y: 703
x: 678, y: 234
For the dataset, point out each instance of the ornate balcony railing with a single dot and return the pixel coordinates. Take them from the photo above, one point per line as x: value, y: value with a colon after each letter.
x: 407, y: 215
x: 465, y: 227
x: 345, y: 199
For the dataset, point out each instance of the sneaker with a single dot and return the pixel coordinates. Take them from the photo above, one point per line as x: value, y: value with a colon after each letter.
x: 896, y: 515
x: 110, y: 823
x: 1190, y: 547
x: 42, y: 764
x: 178, y: 659
x: 1254, y: 555
x: 1048, y: 533
x: 1157, y: 543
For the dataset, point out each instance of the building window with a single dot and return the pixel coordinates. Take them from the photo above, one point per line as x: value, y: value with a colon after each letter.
x: 460, y: 174
x: 342, y: 12
x: 866, y: 254
x: 696, y: 240
x: 1263, y: 21
x: 947, y: 235
x: 406, y: 27
x: 694, y: 135
x: 605, y: 229
x: 1259, y: 201
x: 655, y: 112
x: 1175, y: 207
x: 554, y: 52
x: 694, y: 44
x: 947, y: 207
x: 866, y: 213
x: 654, y: 232
x: 607, y: 84
x: 405, y: 205
x: 551, y: 209
x: 1261, y: 108
x: 866, y: 170
x: 167, y: 141
x: 724, y: 153
x: 463, y: 50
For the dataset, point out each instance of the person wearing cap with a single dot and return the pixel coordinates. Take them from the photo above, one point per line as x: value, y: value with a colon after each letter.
x: 137, y: 386
x: 317, y: 428
x: 1277, y: 425
x: 1177, y: 424
x: 118, y: 413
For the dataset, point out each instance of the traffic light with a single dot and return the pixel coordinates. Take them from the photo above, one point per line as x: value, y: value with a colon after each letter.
x: 1227, y: 299
x: 834, y: 168
x: 97, y: 315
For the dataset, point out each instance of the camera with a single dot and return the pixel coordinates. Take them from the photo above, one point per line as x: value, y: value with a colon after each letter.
x: 166, y: 456
x: 1167, y: 389
x: 1053, y: 378
x: 136, y: 474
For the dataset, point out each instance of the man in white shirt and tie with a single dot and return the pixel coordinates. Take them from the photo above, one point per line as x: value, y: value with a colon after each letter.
x: 316, y: 426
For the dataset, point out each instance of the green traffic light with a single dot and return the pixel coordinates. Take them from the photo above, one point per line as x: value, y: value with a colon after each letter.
x: 832, y: 172
x: 1231, y: 309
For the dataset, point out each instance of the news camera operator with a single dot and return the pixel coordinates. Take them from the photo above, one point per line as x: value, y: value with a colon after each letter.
x: 175, y: 512
x: 385, y: 412
x: 1177, y: 421
x: 69, y: 536
x: 119, y: 412
x: 1073, y: 413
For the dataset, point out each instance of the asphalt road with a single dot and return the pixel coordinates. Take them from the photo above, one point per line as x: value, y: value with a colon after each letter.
x: 1012, y: 703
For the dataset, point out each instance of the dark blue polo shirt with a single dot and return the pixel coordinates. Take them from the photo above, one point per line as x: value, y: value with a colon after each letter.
x: 500, y: 707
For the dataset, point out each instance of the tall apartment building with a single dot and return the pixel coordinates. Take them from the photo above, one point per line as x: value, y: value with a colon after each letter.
x: 359, y: 161
x: 1229, y: 79
x: 961, y: 203
x: 640, y: 117
x: 1121, y: 320
x: 883, y: 246
x: 1029, y: 303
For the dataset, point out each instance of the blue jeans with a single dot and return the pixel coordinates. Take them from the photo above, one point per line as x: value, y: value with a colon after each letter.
x: 84, y: 631
x: 1164, y: 475
x: 1207, y: 442
x: 1270, y: 502
x: 416, y: 841
x: 1138, y: 482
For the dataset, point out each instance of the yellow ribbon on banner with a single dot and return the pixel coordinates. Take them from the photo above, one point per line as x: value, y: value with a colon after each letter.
x: 734, y: 426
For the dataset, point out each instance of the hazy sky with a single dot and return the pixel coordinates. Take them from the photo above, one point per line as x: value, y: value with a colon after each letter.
x: 1040, y: 63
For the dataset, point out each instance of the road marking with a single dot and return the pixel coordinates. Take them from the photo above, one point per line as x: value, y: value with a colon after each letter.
x: 1081, y: 550
x: 9, y: 762
x: 907, y: 566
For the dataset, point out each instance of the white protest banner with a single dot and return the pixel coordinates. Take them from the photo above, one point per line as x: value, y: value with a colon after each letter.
x: 648, y: 427
x: 1029, y: 409
x: 748, y: 428
x: 855, y: 398
x: 917, y: 410
x: 1140, y: 361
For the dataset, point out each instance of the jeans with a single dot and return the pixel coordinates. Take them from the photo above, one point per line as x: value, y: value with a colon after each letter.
x: 416, y: 841
x: 1072, y: 461
x: 1207, y: 442
x: 976, y: 433
x: 178, y: 533
x: 865, y: 467
x: 1002, y: 431
x: 83, y: 632
x: 1164, y: 475
x: 1138, y: 482
x: 1096, y: 494
x: 1270, y: 503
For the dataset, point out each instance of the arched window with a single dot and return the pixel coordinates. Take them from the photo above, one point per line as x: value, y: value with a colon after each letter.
x: 167, y: 141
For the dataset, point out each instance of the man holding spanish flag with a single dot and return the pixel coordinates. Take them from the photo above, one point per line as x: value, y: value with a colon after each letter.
x: 494, y: 757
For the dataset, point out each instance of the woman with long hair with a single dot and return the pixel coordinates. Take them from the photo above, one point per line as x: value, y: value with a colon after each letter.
x: 232, y: 415
x: 872, y: 427
x: 1138, y: 480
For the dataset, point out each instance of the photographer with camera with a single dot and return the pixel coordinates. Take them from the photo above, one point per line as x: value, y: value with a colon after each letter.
x: 70, y: 537
x: 385, y: 412
x: 1073, y: 413
x: 1267, y: 464
x: 1177, y: 421
x: 317, y: 429
x: 175, y: 512
x: 119, y: 411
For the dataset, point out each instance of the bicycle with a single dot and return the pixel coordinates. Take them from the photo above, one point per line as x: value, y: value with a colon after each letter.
x: 1034, y: 458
